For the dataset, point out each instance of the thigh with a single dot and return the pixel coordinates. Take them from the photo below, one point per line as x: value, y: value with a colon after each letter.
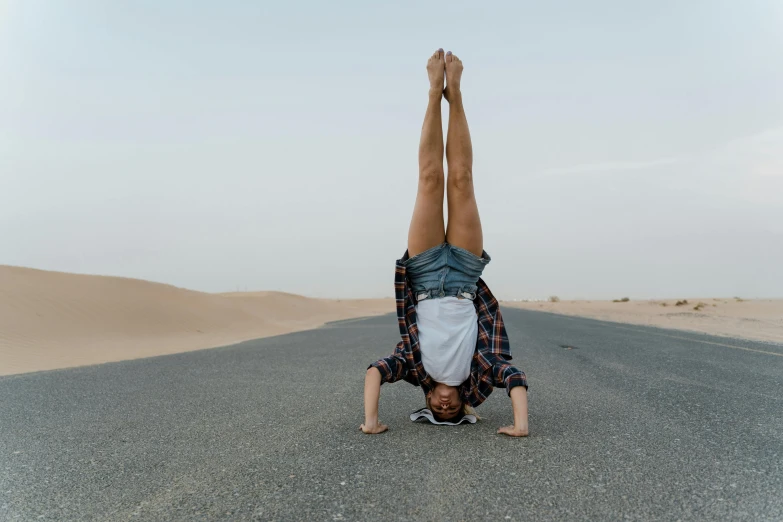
x: 464, y: 229
x: 427, y: 229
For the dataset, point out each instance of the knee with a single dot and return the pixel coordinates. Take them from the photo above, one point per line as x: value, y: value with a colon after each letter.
x: 431, y: 179
x: 461, y: 179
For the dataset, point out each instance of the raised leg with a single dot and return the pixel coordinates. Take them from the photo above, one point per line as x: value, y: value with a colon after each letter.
x: 464, y: 228
x: 427, y: 229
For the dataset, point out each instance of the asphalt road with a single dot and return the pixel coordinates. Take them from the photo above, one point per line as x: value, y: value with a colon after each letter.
x: 629, y: 423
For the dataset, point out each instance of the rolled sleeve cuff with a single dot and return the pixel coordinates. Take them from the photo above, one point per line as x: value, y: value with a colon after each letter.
x: 383, y: 367
x: 512, y: 380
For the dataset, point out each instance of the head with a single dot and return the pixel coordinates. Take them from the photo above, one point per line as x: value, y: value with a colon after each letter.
x: 444, y: 401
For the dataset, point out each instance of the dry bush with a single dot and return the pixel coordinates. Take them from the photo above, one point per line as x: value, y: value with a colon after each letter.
x: 699, y: 306
x: 623, y: 300
x: 554, y: 299
x: 681, y: 303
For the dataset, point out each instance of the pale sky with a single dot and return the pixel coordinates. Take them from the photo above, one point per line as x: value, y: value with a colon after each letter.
x: 621, y: 148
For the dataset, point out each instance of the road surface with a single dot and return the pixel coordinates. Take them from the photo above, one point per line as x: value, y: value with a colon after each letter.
x: 626, y: 422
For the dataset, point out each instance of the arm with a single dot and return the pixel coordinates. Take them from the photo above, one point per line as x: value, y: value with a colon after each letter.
x: 518, y: 396
x: 507, y: 376
x: 372, y: 393
x: 388, y: 369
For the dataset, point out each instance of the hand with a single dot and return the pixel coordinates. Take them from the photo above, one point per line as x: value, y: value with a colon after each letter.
x: 372, y: 429
x: 513, y: 431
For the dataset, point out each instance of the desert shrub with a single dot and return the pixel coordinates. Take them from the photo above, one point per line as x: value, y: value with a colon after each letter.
x: 681, y: 303
x: 622, y: 300
x: 554, y: 299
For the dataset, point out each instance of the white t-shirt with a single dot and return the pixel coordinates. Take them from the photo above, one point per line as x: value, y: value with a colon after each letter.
x: 448, y: 329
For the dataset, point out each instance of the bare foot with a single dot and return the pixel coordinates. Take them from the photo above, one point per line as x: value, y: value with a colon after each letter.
x: 453, y: 76
x: 435, y: 71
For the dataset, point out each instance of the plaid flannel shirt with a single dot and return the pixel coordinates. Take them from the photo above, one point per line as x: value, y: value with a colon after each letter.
x: 490, y: 366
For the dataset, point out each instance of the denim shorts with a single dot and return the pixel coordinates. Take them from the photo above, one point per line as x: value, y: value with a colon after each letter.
x: 445, y: 270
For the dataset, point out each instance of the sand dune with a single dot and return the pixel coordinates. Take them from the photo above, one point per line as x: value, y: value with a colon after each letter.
x: 759, y: 319
x: 56, y: 320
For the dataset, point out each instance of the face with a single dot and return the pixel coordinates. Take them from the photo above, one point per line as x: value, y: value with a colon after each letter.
x: 444, y: 401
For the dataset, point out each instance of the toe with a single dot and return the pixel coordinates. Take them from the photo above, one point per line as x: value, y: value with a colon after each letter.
x: 448, y: 56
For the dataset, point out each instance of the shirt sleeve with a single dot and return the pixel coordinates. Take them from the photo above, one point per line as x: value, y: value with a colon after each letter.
x: 392, y: 368
x: 505, y: 375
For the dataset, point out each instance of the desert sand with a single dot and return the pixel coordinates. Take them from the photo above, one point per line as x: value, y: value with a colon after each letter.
x: 54, y: 320
x: 758, y: 319
x: 51, y: 320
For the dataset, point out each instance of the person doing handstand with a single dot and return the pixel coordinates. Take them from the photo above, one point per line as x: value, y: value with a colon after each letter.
x: 454, y: 344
